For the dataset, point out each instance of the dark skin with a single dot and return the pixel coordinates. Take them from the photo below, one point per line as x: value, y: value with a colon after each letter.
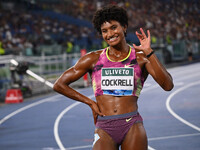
x: 106, y: 105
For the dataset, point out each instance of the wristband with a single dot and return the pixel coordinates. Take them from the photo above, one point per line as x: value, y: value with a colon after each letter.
x: 150, y: 54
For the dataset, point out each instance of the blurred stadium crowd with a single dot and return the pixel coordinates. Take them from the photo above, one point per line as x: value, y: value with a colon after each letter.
x: 26, y: 25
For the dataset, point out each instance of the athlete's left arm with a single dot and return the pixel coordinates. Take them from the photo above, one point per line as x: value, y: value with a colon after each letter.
x: 159, y: 73
x: 152, y: 64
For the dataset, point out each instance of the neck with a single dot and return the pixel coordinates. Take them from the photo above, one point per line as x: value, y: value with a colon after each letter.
x: 122, y: 48
x: 117, y: 52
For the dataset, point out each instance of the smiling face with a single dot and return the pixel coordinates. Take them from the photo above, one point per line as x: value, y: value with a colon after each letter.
x: 113, y: 32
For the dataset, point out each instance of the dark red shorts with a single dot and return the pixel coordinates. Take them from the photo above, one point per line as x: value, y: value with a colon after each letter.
x: 117, y: 126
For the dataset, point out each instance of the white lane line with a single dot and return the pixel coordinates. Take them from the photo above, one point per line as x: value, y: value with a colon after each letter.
x: 173, y: 136
x: 56, y: 134
x: 79, y: 147
x: 173, y: 113
x: 151, y: 148
x: 27, y: 107
x: 56, y: 124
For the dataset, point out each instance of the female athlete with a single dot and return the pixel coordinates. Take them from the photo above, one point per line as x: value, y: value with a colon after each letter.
x: 118, y: 73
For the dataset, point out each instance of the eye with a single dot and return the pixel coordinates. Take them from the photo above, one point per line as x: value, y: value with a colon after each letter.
x: 113, y: 27
x: 103, y: 31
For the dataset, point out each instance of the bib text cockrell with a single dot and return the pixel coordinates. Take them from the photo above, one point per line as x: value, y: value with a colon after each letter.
x: 116, y: 82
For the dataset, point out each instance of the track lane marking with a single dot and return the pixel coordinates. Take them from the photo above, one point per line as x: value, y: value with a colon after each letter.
x: 56, y: 124
x: 173, y: 113
x: 173, y: 136
x: 26, y: 107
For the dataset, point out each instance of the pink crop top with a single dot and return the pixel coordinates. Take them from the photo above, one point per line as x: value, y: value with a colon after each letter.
x: 121, y: 78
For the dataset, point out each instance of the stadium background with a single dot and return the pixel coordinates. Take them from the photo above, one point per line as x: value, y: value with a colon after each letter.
x: 49, y: 36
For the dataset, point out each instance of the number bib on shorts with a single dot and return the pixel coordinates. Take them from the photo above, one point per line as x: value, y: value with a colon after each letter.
x: 117, y: 81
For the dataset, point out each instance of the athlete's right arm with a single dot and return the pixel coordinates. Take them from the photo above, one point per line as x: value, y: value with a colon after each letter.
x: 84, y: 65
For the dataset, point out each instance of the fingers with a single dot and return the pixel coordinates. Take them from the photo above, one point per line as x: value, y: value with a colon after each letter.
x: 148, y: 33
x: 142, y: 35
x: 96, y: 114
x: 100, y: 113
x: 138, y: 33
x: 137, y: 47
x: 95, y: 117
x: 96, y: 109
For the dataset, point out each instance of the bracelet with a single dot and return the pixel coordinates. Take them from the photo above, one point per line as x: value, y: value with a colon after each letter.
x: 150, y: 54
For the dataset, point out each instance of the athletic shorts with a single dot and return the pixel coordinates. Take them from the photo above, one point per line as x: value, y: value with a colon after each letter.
x: 117, y: 126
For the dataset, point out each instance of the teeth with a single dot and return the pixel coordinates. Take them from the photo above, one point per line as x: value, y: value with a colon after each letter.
x: 112, y: 39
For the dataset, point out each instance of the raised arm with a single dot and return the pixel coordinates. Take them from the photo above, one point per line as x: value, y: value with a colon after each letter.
x: 71, y: 75
x: 153, y: 65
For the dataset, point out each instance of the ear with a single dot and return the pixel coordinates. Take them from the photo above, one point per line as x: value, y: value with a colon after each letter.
x: 125, y: 28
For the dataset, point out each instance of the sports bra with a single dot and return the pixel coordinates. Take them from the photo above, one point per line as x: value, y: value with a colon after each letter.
x: 117, y: 78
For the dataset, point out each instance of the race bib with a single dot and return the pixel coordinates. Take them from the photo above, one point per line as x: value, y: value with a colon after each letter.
x: 117, y: 81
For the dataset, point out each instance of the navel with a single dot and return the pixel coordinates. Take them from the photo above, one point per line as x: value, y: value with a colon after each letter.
x: 115, y: 110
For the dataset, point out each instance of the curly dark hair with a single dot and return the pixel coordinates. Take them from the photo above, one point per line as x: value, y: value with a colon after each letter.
x: 108, y: 13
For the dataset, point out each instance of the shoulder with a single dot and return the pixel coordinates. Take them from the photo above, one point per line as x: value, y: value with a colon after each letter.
x: 95, y: 53
x: 90, y: 59
x: 92, y: 56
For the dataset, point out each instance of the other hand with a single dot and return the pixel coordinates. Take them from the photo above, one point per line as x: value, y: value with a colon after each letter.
x: 96, y: 111
x: 144, y: 41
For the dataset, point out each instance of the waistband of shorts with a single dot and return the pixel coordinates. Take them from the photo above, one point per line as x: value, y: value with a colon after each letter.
x: 117, y: 116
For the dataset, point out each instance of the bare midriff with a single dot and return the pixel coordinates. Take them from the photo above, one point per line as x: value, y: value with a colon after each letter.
x: 115, y: 105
